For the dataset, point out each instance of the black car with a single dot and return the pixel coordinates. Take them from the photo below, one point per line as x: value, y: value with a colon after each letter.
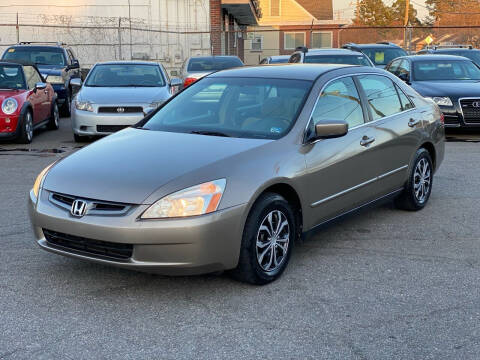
x: 56, y: 62
x: 452, y: 82
x: 380, y: 53
x: 461, y: 50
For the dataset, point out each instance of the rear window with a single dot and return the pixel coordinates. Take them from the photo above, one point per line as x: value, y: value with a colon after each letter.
x: 445, y: 70
x: 36, y: 55
x: 212, y: 64
x: 337, y: 59
x: 383, y: 56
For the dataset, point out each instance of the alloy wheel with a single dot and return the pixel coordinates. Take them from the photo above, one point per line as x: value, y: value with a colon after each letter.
x: 273, y: 239
x: 29, y: 126
x: 422, y: 180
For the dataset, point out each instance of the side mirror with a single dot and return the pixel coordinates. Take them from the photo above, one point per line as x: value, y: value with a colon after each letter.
x: 76, y: 82
x: 74, y: 65
x: 174, y: 73
x: 404, y: 77
x: 40, y: 86
x: 331, y: 129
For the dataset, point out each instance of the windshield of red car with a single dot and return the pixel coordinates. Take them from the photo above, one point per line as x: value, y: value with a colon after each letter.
x: 11, y: 77
x: 36, y: 55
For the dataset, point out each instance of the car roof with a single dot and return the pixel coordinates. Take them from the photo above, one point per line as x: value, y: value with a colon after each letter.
x: 38, y: 46
x: 308, y: 72
x: 214, y: 57
x: 13, y: 63
x: 453, y: 49
x: 333, y: 52
x: 374, y: 45
x: 434, y: 57
x: 128, y: 62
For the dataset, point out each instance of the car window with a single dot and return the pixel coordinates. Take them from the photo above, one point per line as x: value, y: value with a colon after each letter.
x: 383, y: 56
x: 405, y: 101
x: 32, y: 76
x: 445, y: 70
x: 337, y: 59
x: 381, y: 96
x: 295, y: 58
x: 209, y: 64
x: 125, y: 75
x: 404, y: 68
x: 11, y: 77
x: 393, y: 67
x: 36, y: 55
x: 339, y: 101
x: 236, y: 107
x: 279, y: 60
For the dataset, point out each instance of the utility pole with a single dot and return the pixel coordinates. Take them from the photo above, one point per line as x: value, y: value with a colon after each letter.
x: 405, y: 36
x: 18, y: 30
x: 130, y: 28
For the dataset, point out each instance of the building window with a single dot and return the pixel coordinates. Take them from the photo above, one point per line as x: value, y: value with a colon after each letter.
x: 257, y: 43
x: 321, y: 40
x: 274, y: 7
x: 293, y: 40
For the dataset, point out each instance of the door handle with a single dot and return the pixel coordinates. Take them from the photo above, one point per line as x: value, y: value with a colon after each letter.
x: 413, y: 122
x: 367, y: 141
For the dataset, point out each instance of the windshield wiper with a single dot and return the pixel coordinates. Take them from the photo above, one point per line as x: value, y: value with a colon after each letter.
x: 210, y: 133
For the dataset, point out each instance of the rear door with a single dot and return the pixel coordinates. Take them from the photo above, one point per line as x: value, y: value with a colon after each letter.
x: 341, y: 172
x: 395, y: 122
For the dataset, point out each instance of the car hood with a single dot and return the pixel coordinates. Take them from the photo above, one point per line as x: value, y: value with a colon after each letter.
x: 16, y: 94
x: 130, y: 165
x: 122, y: 95
x: 454, y: 89
x: 46, y: 70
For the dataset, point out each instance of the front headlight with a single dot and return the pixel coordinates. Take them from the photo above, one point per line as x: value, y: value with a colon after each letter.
x: 9, y: 106
x: 441, y: 101
x: 55, y: 79
x: 39, y: 179
x: 196, y: 200
x: 83, y: 105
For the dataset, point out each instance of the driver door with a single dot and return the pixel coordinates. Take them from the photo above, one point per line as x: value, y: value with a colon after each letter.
x: 40, y: 99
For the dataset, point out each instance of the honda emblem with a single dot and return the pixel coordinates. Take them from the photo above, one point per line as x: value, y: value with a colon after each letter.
x: 79, y: 208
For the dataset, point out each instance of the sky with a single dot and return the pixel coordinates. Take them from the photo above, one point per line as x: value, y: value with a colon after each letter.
x: 346, y: 8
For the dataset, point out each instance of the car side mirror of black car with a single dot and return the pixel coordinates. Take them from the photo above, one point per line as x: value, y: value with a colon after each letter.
x: 404, y: 77
x: 74, y: 65
x: 330, y: 129
x: 40, y: 86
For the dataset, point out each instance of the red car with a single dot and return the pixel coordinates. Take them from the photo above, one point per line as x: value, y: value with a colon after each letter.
x: 27, y: 102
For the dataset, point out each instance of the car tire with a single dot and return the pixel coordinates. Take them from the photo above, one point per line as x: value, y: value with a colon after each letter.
x: 25, y: 135
x: 419, y: 185
x: 65, y: 109
x: 54, y: 122
x: 266, y: 248
x: 80, y: 138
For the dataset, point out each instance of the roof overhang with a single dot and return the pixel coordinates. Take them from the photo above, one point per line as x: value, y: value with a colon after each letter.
x: 246, y: 12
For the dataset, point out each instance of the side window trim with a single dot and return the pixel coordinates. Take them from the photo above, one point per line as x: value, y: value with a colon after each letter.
x: 367, y: 115
x: 399, y: 90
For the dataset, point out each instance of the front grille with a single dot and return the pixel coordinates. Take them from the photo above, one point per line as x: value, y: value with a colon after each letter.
x: 97, y: 248
x: 451, y: 120
x: 471, y: 110
x: 95, y: 207
x: 110, y: 128
x: 120, y: 109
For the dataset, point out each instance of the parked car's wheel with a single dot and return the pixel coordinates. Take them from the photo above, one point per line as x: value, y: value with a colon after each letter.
x: 65, y: 109
x: 53, y: 124
x: 268, y: 239
x: 80, y: 138
x: 419, y: 185
x: 25, y: 135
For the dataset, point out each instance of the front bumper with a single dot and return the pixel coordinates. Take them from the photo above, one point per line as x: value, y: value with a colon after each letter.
x: 454, y: 118
x: 188, y: 246
x: 86, y: 123
x: 9, y: 130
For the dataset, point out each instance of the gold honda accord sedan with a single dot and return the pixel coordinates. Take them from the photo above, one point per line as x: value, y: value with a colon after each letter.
x: 230, y: 172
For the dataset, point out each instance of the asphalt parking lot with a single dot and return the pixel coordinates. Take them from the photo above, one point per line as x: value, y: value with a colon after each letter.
x: 385, y: 284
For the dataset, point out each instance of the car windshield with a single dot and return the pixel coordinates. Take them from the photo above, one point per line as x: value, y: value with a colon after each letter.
x: 234, y: 107
x: 36, y: 55
x: 445, y: 70
x: 11, y: 77
x: 337, y: 59
x: 125, y: 75
x: 383, y: 56
x: 210, y: 64
x: 279, y: 60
